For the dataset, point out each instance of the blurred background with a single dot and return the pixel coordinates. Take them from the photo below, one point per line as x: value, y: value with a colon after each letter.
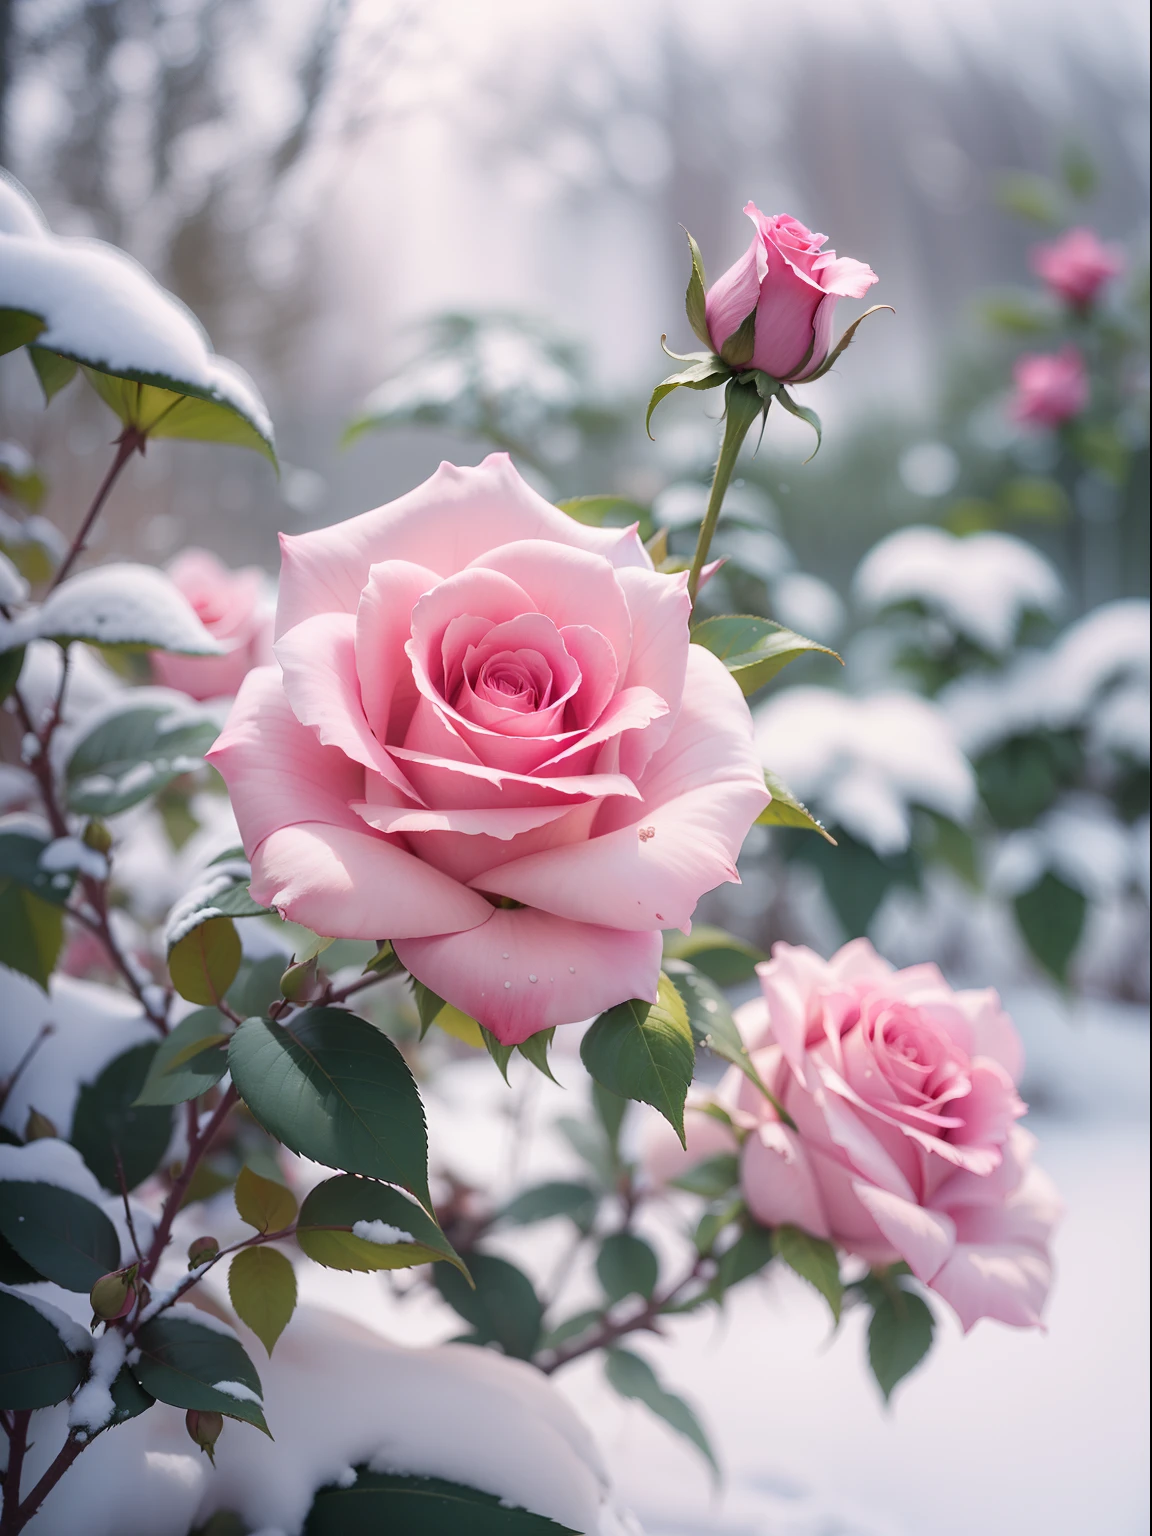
x: 431, y: 229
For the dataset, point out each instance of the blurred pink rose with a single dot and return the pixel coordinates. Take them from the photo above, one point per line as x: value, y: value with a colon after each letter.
x: 906, y: 1147
x: 489, y: 740
x: 1051, y: 387
x: 1077, y: 265
x: 793, y: 287
x: 232, y: 608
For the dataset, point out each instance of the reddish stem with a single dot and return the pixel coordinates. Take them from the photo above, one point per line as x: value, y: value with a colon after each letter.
x: 130, y: 441
x: 198, y: 1143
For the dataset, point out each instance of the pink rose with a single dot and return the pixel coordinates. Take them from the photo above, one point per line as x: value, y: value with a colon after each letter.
x: 232, y: 608
x: 1051, y: 387
x: 793, y: 287
x: 489, y: 740
x: 906, y: 1145
x: 1076, y: 266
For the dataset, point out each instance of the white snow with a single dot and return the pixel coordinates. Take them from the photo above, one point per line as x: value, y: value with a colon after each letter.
x: 380, y: 1232
x: 863, y: 763
x: 13, y: 587
x: 77, y: 1339
x: 161, y: 1300
x: 118, y: 604
x: 71, y: 853
x: 239, y: 1391
x: 103, y: 308
x: 92, y: 1406
x: 49, y: 1161
x: 191, y: 1314
x: 808, y: 605
x: 196, y: 906
x: 981, y: 585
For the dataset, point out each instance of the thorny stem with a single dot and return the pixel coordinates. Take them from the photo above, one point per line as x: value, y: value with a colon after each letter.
x: 647, y: 1317
x: 198, y: 1143
x: 130, y: 441
x: 743, y: 407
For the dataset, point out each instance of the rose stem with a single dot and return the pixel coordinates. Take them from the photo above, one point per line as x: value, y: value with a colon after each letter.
x: 743, y: 407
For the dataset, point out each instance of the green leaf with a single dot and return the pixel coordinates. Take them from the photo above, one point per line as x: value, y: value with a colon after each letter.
x: 335, y: 1089
x: 571, y: 1328
x: 814, y: 1260
x: 204, y: 962
x: 332, y: 1209
x: 18, y: 328
x: 785, y: 810
x: 109, y: 1122
x: 712, y: 1177
x: 37, y: 1368
x: 263, y: 1203
x: 899, y: 1335
x: 830, y: 362
x: 53, y: 371
x: 262, y: 1289
x: 633, y: 1377
x: 725, y: 958
x: 610, y: 1112
x: 644, y: 1051
x: 13, y: 1269
x: 132, y: 755
x: 559, y: 1197
x: 182, y: 1360
x: 535, y: 1050
x: 1018, y: 314
x: 1078, y: 170
x: 64, y: 1237
x: 626, y: 1266
x: 188, y: 1061
x: 11, y: 663
x: 704, y: 372
x: 754, y: 650
x: 590, y: 1142
x: 738, y: 349
x: 752, y: 1251
x: 404, y: 1505
x: 1051, y: 917
x: 694, y: 304
x: 31, y: 898
x: 771, y: 389
x: 500, y: 1054
x: 20, y: 480
x: 503, y: 1309
x: 855, y: 878
x: 608, y: 512
x: 257, y: 986
x: 428, y: 1005
x: 1029, y: 197
x: 129, y: 1397
x: 161, y: 406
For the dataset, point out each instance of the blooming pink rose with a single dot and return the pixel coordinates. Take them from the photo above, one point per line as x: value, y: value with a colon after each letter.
x: 232, y: 608
x: 903, y: 1094
x: 1051, y: 387
x: 793, y: 287
x: 489, y: 740
x: 1076, y: 266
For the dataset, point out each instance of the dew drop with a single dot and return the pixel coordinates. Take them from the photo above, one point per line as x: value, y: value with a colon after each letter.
x: 572, y: 970
x: 507, y: 986
x: 531, y: 978
x: 505, y: 955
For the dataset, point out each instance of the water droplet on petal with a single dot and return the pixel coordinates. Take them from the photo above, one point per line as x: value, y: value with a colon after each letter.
x: 572, y: 970
x: 505, y: 955
x: 531, y: 978
x: 507, y: 985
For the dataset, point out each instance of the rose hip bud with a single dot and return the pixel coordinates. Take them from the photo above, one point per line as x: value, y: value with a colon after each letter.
x: 298, y: 980
x: 113, y: 1295
x: 200, y: 1250
x: 204, y: 1429
x: 38, y: 1127
x: 96, y: 836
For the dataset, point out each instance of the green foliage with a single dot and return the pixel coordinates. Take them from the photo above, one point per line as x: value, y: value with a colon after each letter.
x: 1021, y: 777
x: 856, y: 879
x: 543, y: 1202
x: 115, y: 1134
x: 419, y: 1506
x: 900, y: 1333
x: 633, y: 1377
x: 262, y: 1289
x: 53, y: 371
x: 752, y: 1252
x: 263, y: 1203
x: 814, y: 1260
x: 31, y: 903
x: 11, y: 663
x: 59, y: 1234
x: 644, y: 1051
x: 37, y: 1368
x: 1029, y: 197
x: 189, y: 1060
x: 18, y: 327
x: 626, y: 1266
x: 181, y: 1360
x: 754, y: 650
x: 428, y: 1005
x: 694, y: 305
x: 334, y: 1088
x: 129, y: 1397
x: 332, y: 1209
x: 1051, y: 917
x: 710, y: 1017
x: 785, y: 810
x: 204, y: 961
x: 160, y: 406
x: 503, y: 1308
x: 609, y: 512
x: 132, y: 755
x: 704, y: 371
x: 712, y: 1177
x: 721, y: 956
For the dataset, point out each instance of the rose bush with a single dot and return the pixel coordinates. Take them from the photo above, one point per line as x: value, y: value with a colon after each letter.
x: 793, y: 287
x: 489, y: 740
x: 1051, y: 387
x: 233, y: 608
x: 1076, y: 266
x: 903, y: 1094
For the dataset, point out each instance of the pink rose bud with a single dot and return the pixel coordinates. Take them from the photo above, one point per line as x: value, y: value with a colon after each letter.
x: 114, y: 1295
x: 204, y: 1429
x: 1051, y: 387
x: 200, y: 1250
x: 232, y: 608
x: 904, y: 1142
x: 792, y: 286
x: 1076, y: 266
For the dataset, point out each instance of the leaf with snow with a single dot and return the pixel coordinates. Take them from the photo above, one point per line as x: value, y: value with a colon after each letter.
x: 42, y: 1352
x: 191, y: 1361
x: 134, y: 753
x: 434, y: 1506
x: 132, y: 607
x: 361, y: 1224
x: 146, y: 354
x: 220, y: 893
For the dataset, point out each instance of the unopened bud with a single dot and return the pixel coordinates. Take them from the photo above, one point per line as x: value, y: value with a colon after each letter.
x: 114, y: 1295
x: 201, y: 1250
x: 38, y: 1127
x: 204, y: 1429
x: 96, y: 836
x: 298, y: 980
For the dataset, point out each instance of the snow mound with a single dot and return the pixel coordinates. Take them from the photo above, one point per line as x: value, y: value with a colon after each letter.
x: 119, y: 604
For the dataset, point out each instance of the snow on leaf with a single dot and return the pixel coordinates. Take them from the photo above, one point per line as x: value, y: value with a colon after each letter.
x: 121, y: 604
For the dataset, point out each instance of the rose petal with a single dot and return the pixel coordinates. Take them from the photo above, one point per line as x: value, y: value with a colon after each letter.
x: 923, y: 1239
x: 383, y: 626
x: 524, y: 971
x: 778, y: 1180
x: 660, y: 609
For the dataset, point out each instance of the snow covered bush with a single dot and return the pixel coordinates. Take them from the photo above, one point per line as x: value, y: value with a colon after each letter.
x: 489, y: 721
